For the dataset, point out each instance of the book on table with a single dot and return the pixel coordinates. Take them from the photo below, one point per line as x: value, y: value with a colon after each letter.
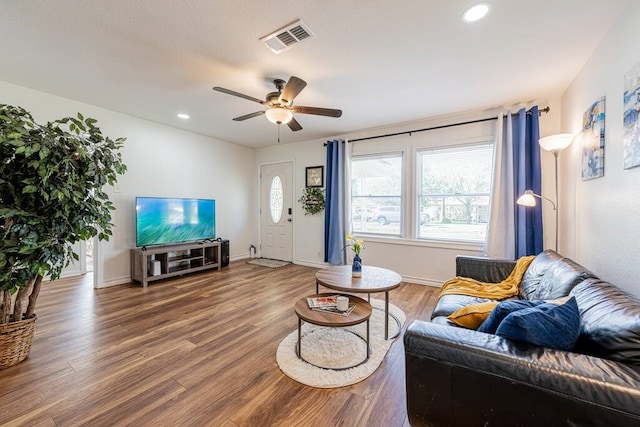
x: 324, y: 301
x: 334, y: 310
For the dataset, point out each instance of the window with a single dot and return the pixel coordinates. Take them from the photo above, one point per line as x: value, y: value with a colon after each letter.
x: 276, y: 199
x: 454, y: 192
x: 376, y: 194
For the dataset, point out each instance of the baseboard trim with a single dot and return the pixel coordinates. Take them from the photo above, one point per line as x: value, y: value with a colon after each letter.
x: 117, y: 281
x: 313, y: 264
x: 422, y: 281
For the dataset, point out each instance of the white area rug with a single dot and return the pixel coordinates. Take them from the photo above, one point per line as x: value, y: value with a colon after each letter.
x: 335, y: 347
x: 266, y: 262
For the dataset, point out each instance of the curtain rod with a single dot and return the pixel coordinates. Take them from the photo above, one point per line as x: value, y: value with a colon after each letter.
x: 409, y: 132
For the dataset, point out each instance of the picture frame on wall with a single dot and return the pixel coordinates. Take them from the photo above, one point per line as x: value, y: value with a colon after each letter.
x: 314, y: 176
x: 593, y: 140
x: 631, y: 135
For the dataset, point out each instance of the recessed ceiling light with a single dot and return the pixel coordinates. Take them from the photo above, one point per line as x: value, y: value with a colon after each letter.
x: 476, y: 12
x: 183, y: 116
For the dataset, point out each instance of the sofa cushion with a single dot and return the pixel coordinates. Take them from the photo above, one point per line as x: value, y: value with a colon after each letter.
x: 502, y: 310
x: 483, y: 269
x: 537, y: 269
x: 547, y: 325
x: 610, y: 321
x: 472, y: 315
x: 551, y: 276
x: 448, y: 304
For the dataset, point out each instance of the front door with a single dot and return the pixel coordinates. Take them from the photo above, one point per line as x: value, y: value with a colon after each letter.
x: 276, y: 211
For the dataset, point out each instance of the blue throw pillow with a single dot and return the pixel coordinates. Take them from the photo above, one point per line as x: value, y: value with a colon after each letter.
x: 546, y: 325
x: 502, y: 310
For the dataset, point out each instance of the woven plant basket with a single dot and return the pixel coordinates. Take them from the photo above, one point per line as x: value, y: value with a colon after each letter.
x: 15, y: 341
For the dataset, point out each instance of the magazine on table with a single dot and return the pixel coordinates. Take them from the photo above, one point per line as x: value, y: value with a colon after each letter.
x: 324, y: 301
x: 334, y: 310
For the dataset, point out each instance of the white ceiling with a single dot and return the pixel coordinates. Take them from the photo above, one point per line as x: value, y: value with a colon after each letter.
x: 380, y: 61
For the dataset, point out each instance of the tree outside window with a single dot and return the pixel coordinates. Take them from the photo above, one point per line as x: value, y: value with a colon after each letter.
x: 455, y: 192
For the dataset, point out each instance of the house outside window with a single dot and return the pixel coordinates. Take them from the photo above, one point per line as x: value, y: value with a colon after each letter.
x: 454, y: 192
x: 376, y: 194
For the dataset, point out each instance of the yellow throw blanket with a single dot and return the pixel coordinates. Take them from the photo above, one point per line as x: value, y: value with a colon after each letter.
x: 496, y: 291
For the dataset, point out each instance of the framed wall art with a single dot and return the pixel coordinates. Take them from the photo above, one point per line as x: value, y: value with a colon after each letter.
x: 631, y: 136
x: 593, y: 141
x: 314, y: 176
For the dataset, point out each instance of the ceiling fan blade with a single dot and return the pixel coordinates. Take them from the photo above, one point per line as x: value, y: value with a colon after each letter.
x: 248, y: 116
x: 294, y: 125
x: 329, y: 112
x: 238, y: 94
x: 291, y: 90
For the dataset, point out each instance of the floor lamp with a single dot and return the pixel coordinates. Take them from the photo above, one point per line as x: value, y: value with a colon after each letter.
x: 555, y: 144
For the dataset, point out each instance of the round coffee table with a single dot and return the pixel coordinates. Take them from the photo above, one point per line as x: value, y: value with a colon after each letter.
x: 373, y: 280
x: 361, y: 313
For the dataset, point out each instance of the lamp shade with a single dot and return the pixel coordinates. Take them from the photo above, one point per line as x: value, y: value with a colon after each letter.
x: 527, y: 199
x: 278, y: 115
x: 556, y: 143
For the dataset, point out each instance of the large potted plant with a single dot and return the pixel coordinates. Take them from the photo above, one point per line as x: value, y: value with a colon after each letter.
x: 51, y: 196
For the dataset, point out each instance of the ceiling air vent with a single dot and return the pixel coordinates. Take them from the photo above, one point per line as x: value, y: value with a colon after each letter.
x: 287, y: 37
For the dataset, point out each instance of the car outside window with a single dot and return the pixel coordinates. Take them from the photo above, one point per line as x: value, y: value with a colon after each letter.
x: 376, y: 194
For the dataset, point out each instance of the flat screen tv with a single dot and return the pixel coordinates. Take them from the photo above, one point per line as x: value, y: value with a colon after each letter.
x: 162, y: 221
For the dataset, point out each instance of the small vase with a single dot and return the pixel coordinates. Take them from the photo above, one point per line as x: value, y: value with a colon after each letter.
x: 356, y: 268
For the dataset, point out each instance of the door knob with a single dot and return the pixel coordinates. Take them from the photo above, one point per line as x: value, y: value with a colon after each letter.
x: 290, y: 220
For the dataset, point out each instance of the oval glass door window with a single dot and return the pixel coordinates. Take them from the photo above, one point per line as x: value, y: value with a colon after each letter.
x: 276, y: 204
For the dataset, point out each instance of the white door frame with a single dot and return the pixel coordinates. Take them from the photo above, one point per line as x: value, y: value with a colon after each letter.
x: 79, y: 268
x: 291, y: 190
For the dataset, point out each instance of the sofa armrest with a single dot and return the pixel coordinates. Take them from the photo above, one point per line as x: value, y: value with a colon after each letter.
x: 466, y: 368
x: 491, y: 270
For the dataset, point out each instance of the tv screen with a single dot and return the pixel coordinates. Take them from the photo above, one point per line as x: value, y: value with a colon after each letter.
x: 162, y: 221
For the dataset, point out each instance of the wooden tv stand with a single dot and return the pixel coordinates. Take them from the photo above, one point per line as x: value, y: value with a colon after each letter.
x: 175, y: 260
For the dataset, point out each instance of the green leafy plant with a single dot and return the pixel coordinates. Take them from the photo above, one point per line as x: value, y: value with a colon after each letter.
x: 312, y: 200
x: 51, y: 196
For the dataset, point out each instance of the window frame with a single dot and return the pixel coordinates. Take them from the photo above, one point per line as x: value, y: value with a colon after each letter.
x: 438, y: 137
x: 418, y: 194
x: 402, y: 196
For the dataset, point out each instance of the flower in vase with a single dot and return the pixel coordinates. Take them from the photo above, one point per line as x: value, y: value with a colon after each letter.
x: 356, y: 244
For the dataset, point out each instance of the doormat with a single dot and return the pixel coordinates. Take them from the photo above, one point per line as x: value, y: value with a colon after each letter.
x: 266, y: 262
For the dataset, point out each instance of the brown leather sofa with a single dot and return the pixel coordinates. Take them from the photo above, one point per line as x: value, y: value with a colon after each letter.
x: 461, y: 377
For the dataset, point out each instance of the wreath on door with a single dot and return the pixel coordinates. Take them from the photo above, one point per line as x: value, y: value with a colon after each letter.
x: 312, y: 200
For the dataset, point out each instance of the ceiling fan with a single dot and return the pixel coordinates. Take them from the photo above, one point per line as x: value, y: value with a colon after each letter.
x: 279, y: 104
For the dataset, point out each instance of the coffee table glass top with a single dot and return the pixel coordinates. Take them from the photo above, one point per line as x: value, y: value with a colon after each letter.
x: 374, y: 279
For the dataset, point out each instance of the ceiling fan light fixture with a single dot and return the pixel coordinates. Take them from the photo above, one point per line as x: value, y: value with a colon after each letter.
x: 279, y: 115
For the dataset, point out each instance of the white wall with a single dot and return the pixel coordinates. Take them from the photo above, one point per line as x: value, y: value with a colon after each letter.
x: 600, y: 218
x: 161, y: 161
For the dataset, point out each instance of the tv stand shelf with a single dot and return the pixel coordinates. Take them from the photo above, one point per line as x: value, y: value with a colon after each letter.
x: 174, y: 260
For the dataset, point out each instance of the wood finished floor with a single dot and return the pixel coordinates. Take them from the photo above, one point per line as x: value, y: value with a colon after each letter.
x: 195, y: 351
